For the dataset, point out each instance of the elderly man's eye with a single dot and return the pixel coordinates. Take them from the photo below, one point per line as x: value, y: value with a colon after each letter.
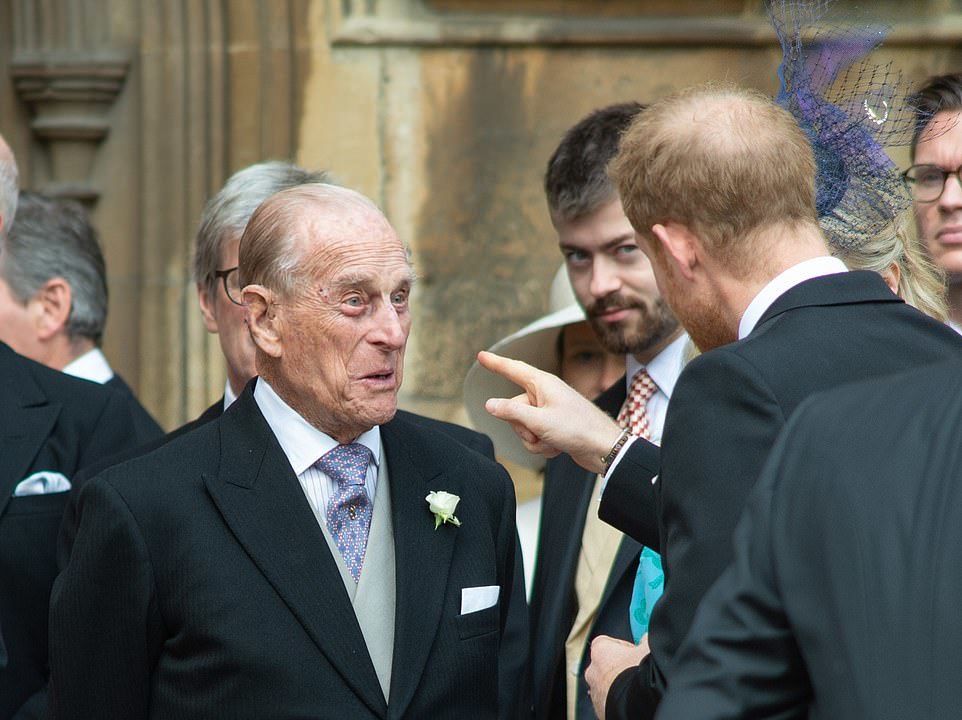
x: 353, y: 301
x: 400, y: 297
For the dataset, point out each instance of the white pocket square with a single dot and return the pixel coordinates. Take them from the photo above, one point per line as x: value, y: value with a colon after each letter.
x: 474, y: 599
x: 45, y: 482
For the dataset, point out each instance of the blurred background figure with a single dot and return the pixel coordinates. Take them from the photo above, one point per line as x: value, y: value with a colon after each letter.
x: 897, y: 255
x: 560, y: 342
x: 53, y: 296
x: 933, y: 177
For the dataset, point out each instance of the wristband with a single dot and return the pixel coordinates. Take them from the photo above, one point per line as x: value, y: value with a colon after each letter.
x: 615, y: 449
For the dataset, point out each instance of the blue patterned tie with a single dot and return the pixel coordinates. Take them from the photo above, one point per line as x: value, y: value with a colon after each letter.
x: 649, y: 580
x: 349, y: 509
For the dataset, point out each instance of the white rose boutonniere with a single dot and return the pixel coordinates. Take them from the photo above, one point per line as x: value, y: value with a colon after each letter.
x: 443, y: 504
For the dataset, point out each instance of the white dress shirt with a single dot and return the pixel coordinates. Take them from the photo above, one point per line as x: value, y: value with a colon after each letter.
x: 303, y: 444
x: 778, y: 286
x: 664, y: 370
x: 782, y: 283
x: 92, y: 365
x: 229, y: 396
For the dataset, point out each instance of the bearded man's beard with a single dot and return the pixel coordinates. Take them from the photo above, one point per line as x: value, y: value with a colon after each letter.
x: 653, y: 323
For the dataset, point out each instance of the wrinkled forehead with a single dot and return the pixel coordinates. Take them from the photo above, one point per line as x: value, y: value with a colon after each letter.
x: 337, y: 240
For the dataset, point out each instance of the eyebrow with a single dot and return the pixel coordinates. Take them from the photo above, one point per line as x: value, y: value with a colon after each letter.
x: 350, y: 279
x: 614, y: 242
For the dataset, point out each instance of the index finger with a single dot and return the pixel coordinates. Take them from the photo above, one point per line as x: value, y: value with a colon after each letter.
x: 518, y: 372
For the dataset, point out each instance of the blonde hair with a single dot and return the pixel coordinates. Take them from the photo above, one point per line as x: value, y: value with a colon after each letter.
x: 725, y: 161
x: 921, y: 283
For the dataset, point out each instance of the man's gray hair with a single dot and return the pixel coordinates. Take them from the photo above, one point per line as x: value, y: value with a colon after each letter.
x: 54, y: 238
x: 8, y: 189
x: 226, y: 214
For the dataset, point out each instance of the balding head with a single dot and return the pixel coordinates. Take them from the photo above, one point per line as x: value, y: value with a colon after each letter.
x: 726, y: 162
x: 8, y: 186
x: 274, y: 250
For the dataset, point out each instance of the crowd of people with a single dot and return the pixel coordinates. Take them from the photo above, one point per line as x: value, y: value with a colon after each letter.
x: 744, y: 405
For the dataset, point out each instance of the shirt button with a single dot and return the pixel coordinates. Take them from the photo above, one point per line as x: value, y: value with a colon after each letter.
x: 573, y: 668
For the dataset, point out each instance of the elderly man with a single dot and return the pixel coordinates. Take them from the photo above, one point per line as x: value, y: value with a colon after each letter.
x: 51, y: 425
x: 290, y: 564
x: 935, y: 182
x: 746, y: 269
x: 53, y: 296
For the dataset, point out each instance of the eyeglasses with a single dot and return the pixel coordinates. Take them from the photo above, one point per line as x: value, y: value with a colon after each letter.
x: 927, y: 182
x: 231, y: 284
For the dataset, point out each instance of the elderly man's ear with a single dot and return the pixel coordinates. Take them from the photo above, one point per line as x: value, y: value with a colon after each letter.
x: 262, y: 320
x: 50, y: 308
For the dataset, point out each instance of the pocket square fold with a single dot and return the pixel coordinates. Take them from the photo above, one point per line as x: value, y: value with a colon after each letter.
x: 475, y: 599
x: 45, y: 482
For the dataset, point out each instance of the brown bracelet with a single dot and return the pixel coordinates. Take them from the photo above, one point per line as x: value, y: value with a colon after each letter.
x: 615, y: 449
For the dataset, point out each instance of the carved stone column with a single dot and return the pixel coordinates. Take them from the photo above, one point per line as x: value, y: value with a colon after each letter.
x: 69, y: 99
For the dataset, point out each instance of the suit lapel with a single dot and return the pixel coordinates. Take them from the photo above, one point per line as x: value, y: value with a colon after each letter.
x: 263, y: 504
x: 422, y: 555
x: 26, y: 426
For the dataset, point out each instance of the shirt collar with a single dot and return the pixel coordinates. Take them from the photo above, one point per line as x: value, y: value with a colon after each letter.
x: 782, y: 283
x: 92, y: 365
x: 663, y: 369
x: 302, y: 443
x: 229, y: 395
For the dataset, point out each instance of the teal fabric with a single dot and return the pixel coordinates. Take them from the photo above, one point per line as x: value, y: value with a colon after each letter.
x: 649, y: 584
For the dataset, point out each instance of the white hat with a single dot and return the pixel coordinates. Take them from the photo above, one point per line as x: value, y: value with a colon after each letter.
x: 535, y: 344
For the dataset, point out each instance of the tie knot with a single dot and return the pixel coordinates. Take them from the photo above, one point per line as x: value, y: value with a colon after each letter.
x: 346, y: 464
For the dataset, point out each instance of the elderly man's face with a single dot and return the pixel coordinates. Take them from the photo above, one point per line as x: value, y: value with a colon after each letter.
x: 940, y: 221
x: 345, y: 329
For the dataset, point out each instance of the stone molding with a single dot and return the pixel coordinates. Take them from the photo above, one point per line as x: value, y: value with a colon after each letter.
x: 70, y: 97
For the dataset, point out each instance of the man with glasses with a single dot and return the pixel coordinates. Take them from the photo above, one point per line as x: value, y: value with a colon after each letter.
x: 935, y: 182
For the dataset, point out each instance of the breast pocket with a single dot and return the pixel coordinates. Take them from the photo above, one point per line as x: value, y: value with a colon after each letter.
x: 479, y: 623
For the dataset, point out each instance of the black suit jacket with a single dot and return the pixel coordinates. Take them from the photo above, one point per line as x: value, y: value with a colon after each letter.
x: 564, y: 502
x: 843, y: 600
x: 145, y: 426
x: 726, y: 411
x: 48, y: 421
x: 199, y: 584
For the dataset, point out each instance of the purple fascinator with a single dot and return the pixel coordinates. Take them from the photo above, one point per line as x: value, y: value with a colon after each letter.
x: 851, y: 109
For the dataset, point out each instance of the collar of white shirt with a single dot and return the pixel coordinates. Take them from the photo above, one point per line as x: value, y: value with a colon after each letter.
x: 229, y: 395
x: 782, y: 283
x: 92, y: 365
x: 663, y: 369
x: 302, y: 443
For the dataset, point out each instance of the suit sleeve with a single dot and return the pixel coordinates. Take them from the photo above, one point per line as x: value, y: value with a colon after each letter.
x: 740, y: 658
x: 629, y: 502
x: 513, y: 654
x: 105, y: 629
x: 722, y: 422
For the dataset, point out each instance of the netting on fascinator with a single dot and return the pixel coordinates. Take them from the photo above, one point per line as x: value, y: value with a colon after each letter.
x: 850, y: 109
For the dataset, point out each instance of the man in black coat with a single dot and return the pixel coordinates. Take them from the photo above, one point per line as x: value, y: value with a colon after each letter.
x: 260, y: 577
x: 842, y: 601
x: 53, y: 297
x: 743, y: 263
x: 50, y: 426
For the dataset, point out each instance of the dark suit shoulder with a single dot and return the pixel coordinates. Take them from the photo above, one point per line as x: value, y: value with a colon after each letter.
x: 147, y: 428
x: 479, y: 442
